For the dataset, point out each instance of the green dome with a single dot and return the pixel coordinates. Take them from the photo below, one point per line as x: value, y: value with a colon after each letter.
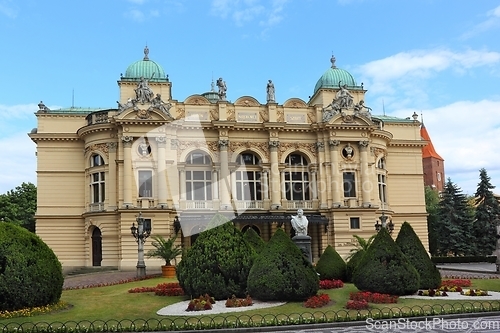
x: 212, y: 95
x: 145, y: 68
x: 335, y: 76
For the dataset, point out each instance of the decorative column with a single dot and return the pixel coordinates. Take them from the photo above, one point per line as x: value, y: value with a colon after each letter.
x: 224, y: 173
x: 275, y: 174
x: 265, y: 184
x: 162, y: 168
x: 215, y: 190
x: 320, y: 190
x: 336, y: 179
x: 366, y: 185
x: 127, y: 171
x: 111, y: 181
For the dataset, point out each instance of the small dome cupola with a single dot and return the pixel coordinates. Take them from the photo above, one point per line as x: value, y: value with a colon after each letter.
x: 335, y: 76
x: 145, y: 68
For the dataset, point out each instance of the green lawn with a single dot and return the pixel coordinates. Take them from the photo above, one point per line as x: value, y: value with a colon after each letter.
x: 114, y: 302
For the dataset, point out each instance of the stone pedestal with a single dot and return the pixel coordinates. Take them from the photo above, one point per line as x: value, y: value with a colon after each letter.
x: 304, y: 244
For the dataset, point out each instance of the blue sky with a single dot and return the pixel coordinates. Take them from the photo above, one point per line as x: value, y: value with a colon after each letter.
x: 437, y: 58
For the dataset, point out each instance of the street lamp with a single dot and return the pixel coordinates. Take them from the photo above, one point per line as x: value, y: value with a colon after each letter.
x: 140, y: 233
x: 384, y: 224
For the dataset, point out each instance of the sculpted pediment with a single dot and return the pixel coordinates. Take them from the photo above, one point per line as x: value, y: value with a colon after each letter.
x: 294, y: 103
x: 246, y: 101
x: 347, y: 117
x: 197, y: 100
x: 145, y: 112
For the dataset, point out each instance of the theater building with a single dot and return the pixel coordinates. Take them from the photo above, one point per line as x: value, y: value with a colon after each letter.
x: 257, y: 162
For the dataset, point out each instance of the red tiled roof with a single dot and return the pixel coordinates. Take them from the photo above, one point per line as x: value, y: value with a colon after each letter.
x: 428, y: 150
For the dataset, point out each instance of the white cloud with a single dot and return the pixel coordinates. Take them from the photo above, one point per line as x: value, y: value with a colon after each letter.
x: 135, y: 15
x: 7, y: 9
x: 18, y: 162
x: 21, y: 111
x: 465, y: 134
x: 492, y: 22
x: 244, y: 11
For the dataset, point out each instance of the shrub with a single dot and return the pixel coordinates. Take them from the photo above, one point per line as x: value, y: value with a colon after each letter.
x: 317, y: 301
x: 30, y: 273
x: 235, y: 302
x: 385, y: 269
x: 330, y: 284
x: 330, y: 265
x: 201, y: 303
x: 254, y: 240
x: 352, y: 264
x: 218, y: 263
x: 281, y: 272
x: 412, y: 247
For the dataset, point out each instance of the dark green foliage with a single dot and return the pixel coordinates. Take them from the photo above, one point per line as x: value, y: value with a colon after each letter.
x: 455, y: 223
x: 30, y: 273
x: 330, y: 265
x: 254, y: 240
x: 431, y: 205
x: 487, y: 216
x: 414, y: 250
x: 281, y: 272
x: 18, y: 206
x: 385, y: 269
x: 218, y: 263
x: 352, y: 263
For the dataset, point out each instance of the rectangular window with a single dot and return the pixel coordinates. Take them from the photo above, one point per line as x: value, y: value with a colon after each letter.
x: 98, y: 187
x: 145, y: 184
x: 382, y: 190
x: 349, y: 185
x: 354, y: 223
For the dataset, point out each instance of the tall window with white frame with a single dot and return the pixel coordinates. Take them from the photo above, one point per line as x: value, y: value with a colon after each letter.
x: 382, y: 183
x: 297, y: 178
x: 145, y: 183
x: 248, y: 180
x: 97, y: 183
x: 198, y: 177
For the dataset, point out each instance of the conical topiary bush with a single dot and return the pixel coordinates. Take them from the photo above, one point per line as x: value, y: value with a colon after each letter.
x: 281, y: 272
x: 412, y: 247
x: 330, y: 265
x: 385, y: 269
x: 254, y: 240
x: 218, y: 263
x: 352, y: 263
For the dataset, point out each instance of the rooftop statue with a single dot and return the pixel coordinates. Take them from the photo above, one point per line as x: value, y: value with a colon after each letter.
x: 143, y: 92
x: 222, y: 89
x: 270, y: 91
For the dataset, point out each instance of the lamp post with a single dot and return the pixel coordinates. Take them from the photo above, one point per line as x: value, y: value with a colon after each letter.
x: 140, y: 233
x: 384, y: 224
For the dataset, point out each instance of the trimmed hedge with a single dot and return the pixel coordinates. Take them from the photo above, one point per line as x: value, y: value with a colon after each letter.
x: 281, y: 272
x: 254, y: 240
x: 352, y: 264
x: 30, y: 273
x: 330, y: 265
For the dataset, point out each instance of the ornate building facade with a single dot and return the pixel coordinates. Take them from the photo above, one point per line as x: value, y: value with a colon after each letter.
x: 180, y: 162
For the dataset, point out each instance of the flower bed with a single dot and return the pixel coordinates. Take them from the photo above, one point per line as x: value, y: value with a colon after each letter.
x: 474, y: 292
x: 162, y: 289
x: 455, y: 283
x: 201, y: 303
x: 330, y: 284
x: 373, y: 297
x: 357, y: 305
x: 234, y: 302
x: 431, y: 293
x: 317, y: 301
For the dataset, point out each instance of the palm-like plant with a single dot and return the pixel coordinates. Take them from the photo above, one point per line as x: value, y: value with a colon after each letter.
x: 164, y: 249
x: 361, y: 245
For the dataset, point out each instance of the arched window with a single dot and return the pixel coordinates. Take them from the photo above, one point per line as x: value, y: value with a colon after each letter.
x: 97, y: 182
x: 248, y: 178
x: 297, y: 178
x: 198, y: 176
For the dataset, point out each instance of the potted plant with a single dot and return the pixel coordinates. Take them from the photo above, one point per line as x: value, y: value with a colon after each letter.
x: 167, y: 250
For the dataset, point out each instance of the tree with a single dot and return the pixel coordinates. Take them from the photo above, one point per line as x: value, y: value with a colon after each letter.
x: 18, y: 206
x: 431, y: 205
x: 385, y: 269
x: 281, y: 272
x: 455, y: 222
x: 486, y: 217
x: 218, y: 263
x: 330, y: 265
x: 414, y: 250
x: 254, y: 240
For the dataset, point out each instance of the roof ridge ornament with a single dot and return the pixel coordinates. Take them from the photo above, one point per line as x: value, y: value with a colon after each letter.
x: 332, y: 60
x: 146, y: 52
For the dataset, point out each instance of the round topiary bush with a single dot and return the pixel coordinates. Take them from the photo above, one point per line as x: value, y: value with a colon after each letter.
x: 414, y: 250
x: 30, y: 273
x: 281, y: 272
x: 218, y: 263
x: 330, y: 265
x: 385, y: 269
